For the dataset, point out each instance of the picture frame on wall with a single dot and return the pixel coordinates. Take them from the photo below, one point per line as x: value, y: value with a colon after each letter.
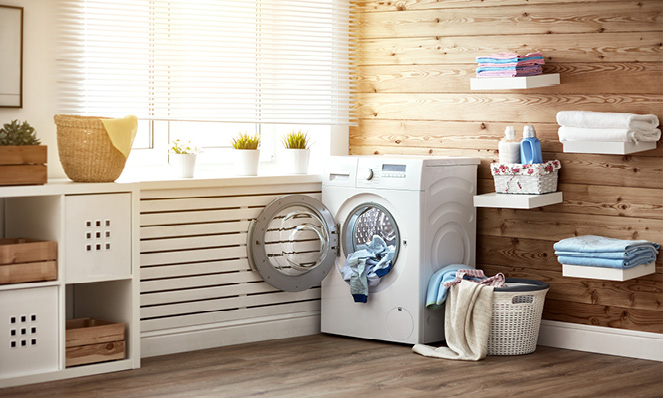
x: 11, y: 61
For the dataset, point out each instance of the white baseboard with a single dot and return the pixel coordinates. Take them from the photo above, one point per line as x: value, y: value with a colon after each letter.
x: 602, y: 340
x: 228, y: 333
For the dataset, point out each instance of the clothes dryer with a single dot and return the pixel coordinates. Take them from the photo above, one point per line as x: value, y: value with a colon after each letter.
x: 422, y: 206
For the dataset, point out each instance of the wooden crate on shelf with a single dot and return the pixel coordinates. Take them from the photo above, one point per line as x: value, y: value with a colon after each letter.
x: 27, y: 260
x: 23, y: 165
x: 91, y: 340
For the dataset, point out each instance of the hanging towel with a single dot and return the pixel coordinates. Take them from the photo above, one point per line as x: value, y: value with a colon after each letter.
x: 365, y: 267
x: 122, y: 132
x: 601, y: 244
x: 567, y: 133
x: 600, y: 120
x: 443, y: 279
x: 469, y: 311
x: 608, y: 262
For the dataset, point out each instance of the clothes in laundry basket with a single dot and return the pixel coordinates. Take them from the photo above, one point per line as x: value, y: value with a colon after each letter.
x: 366, y: 267
x: 450, y: 275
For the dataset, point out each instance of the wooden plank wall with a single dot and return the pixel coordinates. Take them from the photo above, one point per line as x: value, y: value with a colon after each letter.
x: 416, y: 58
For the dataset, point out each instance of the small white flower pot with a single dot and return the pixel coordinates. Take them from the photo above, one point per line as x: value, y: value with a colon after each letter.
x: 296, y: 160
x: 183, y: 164
x: 247, y: 161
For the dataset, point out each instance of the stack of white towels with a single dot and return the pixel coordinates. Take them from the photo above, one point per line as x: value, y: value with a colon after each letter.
x: 607, y: 127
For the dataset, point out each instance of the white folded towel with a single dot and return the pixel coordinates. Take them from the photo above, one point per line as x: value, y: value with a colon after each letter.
x: 600, y: 120
x: 607, y: 135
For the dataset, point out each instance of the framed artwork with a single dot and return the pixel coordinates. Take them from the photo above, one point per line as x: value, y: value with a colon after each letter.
x: 11, y: 61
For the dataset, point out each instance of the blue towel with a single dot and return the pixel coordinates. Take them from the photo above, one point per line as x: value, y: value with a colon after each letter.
x: 638, y: 251
x: 491, y: 60
x: 437, y: 293
x: 366, y: 266
x: 601, y: 244
x: 608, y: 262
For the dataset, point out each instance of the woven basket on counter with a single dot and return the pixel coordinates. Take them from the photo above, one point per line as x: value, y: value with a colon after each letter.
x: 525, y: 178
x: 86, y: 151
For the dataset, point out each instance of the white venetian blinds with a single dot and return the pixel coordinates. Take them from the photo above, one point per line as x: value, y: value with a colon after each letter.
x: 258, y: 61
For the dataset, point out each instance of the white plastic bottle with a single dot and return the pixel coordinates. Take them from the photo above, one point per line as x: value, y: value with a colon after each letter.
x: 509, y: 147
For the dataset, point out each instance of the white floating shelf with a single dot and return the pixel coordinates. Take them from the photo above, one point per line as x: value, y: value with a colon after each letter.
x: 609, y: 148
x: 510, y: 83
x: 610, y: 274
x: 517, y: 201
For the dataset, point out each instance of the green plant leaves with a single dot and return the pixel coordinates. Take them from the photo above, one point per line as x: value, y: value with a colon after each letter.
x: 16, y: 133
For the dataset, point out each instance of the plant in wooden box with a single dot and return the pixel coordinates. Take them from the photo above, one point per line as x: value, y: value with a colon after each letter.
x: 247, y: 154
x: 183, y: 158
x: 297, y: 150
x: 22, y: 158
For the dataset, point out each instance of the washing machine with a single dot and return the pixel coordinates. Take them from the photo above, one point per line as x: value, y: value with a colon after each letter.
x: 420, y: 206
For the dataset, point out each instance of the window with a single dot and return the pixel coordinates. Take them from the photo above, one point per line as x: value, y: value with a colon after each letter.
x: 206, y: 69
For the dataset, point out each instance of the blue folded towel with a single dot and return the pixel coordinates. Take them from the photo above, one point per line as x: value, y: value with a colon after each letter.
x: 601, y: 244
x: 437, y: 292
x: 639, y: 251
x: 608, y: 262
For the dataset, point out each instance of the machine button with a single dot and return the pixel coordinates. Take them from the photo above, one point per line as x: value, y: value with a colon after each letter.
x: 368, y: 175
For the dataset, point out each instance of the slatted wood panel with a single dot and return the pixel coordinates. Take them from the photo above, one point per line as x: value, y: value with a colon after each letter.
x: 416, y: 59
x: 194, y: 266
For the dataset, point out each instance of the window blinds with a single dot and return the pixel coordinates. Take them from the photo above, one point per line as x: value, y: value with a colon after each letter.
x: 258, y: 61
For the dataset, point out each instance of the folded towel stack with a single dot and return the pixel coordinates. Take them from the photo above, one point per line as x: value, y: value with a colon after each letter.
x: 507, y: 64
x: 599, y: 251
x: 607, y: 127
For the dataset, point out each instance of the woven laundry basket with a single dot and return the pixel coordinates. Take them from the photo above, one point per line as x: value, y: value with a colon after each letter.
x: 525, y: 178
x: 86, y: 151
x: 517, y: 308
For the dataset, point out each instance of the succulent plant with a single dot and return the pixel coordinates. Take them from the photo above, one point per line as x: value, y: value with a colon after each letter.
x: 16, y: 133
x: 246, y: 141
x: 296, y: 139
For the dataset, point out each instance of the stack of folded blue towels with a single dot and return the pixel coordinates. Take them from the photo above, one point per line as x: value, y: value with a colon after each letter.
x: 599, y: 251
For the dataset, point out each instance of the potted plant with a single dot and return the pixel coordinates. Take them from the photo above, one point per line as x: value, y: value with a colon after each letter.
x: 297, y: 150
x: 22, y: 158
x: 183, y: 158
x: 247, y: 154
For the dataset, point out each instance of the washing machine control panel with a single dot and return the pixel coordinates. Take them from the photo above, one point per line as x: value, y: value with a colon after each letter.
x: 379, y: 174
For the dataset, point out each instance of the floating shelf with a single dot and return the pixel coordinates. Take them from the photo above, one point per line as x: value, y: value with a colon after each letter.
x: 609, y: 148
x: 509, y: 83
x: 610, y: 274
x: 517, y: 201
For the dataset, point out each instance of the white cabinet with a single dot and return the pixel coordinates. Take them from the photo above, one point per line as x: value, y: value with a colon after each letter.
x: 98, y: 237
x: 95, y: 227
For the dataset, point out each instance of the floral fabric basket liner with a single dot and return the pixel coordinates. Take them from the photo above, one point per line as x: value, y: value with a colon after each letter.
x: 517, y: 178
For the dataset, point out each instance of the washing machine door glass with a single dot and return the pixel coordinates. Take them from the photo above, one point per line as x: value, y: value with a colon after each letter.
x: 293, y: 243
x: 366, y: 221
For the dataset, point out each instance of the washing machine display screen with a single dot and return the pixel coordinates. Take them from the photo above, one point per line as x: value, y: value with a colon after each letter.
x: 393, y: 167
x: 295, y: 240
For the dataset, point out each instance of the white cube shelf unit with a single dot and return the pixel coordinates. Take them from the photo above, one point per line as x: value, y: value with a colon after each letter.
x: 96, y: 230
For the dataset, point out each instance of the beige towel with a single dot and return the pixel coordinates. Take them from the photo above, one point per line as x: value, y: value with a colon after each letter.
x: 122, y: 132
x: 469, y: 310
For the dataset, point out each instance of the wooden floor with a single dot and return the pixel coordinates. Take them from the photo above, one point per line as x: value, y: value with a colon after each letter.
x: 323, y: 365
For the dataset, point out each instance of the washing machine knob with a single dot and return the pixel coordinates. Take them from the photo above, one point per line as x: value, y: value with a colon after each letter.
x: 368, y: 174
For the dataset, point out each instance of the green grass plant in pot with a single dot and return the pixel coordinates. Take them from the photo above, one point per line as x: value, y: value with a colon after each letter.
x: 22, y: 158
x: 297, y: 152
x: 247, y: 154
x: 182, y: 157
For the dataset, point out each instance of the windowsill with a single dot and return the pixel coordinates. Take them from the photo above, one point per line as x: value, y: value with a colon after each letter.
x: 210, y: 176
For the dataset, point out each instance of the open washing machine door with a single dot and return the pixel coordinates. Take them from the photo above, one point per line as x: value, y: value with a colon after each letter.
x: 294, y: 242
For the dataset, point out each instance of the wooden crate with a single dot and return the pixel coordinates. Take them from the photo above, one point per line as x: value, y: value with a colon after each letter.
x: 91, y: 340
x: 23, y: 165
x: 27, y: 260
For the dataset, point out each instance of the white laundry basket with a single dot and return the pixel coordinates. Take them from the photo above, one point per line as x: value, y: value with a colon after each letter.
x: 517, y: 309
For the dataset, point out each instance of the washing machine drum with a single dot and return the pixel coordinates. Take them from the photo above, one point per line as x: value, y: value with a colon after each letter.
x: 294, y: 242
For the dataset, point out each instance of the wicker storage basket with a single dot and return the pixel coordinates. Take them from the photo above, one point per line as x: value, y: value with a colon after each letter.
x: 86, y: 151
x: 517, y: 308
x: 525, y: 178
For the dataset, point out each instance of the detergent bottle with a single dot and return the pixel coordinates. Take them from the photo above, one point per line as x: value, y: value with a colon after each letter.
x: 509, y: 147
x: 530, y: 147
